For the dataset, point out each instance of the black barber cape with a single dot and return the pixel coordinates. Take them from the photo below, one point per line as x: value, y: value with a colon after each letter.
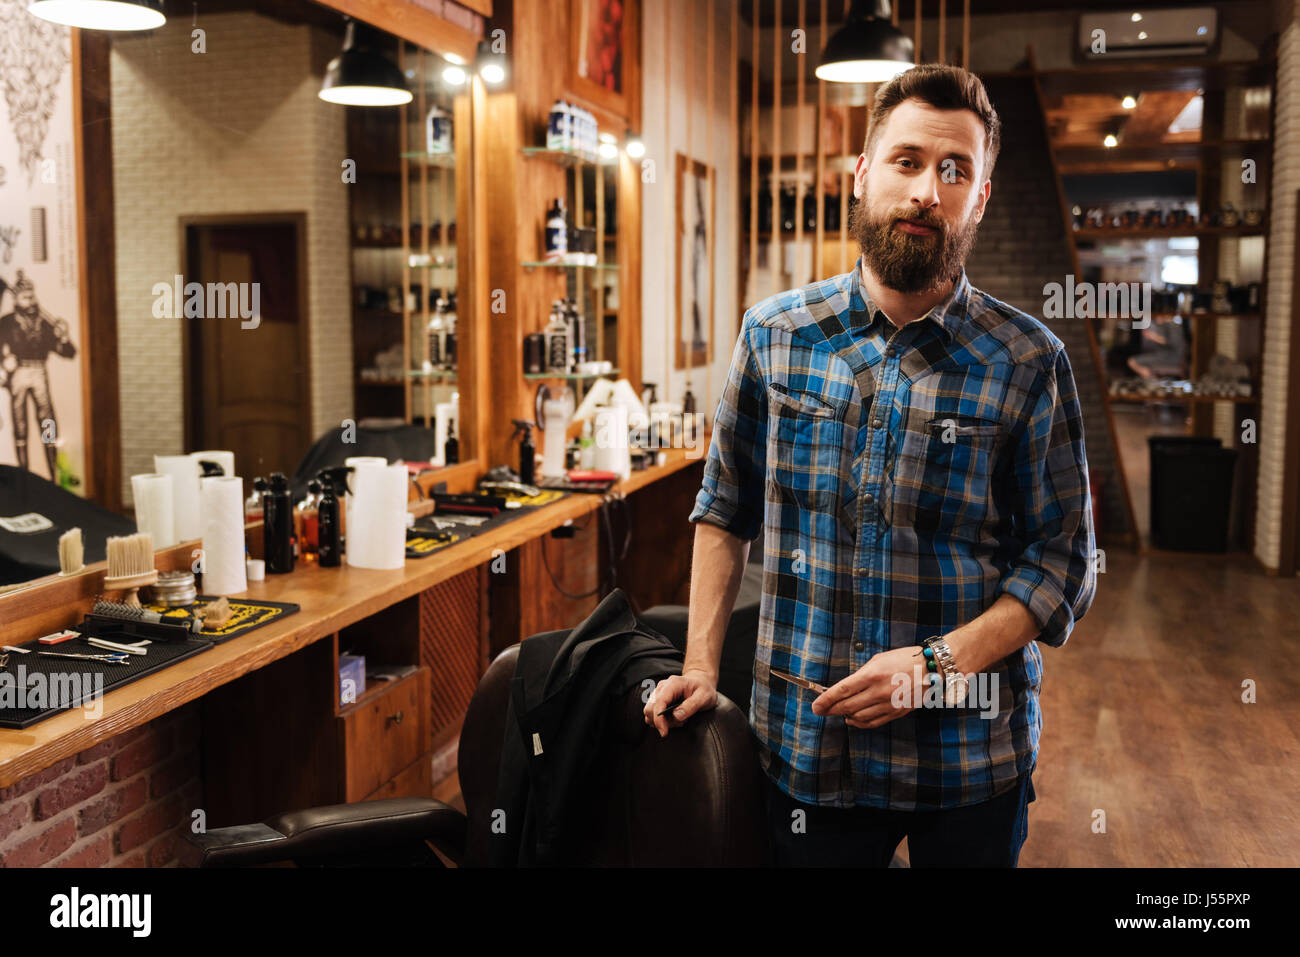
x: 559, y: 699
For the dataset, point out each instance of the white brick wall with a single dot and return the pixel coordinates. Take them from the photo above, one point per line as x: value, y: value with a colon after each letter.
x: 1282, y: 260
x: 236, y: 129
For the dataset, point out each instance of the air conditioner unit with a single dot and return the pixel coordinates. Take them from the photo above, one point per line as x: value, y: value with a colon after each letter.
x: 1191, y: 31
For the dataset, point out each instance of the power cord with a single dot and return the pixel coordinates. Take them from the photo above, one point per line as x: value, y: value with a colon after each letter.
x: 608, y: 500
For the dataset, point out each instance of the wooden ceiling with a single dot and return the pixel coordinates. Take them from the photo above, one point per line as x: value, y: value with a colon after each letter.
x: 1084, y: 119
x: 835, y: 9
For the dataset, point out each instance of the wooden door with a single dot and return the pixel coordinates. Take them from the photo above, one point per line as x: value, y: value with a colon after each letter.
x: 248, y: 383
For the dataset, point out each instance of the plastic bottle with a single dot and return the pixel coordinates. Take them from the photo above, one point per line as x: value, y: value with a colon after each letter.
x: 557, y: 232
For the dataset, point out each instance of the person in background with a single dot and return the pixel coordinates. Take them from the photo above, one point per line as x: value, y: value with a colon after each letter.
x: 914, y: 450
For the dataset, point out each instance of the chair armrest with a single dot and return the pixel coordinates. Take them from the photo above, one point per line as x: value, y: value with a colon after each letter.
x: 321, y: 833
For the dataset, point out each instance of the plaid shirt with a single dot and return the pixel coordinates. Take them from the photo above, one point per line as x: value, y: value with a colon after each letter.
x: 906, y: 478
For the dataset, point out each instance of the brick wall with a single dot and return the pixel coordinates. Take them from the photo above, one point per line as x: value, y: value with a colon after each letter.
x: 1022, y: 245
x: 238, y: 129
x: 121, y: 803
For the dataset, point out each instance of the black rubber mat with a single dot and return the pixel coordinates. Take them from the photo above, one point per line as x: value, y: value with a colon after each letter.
x: 55, y: 685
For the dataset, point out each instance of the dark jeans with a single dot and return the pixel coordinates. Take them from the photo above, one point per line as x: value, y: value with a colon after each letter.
x: 981, y: 835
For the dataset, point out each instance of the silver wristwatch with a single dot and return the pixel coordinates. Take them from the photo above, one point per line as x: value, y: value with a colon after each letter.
x: 954, y: 682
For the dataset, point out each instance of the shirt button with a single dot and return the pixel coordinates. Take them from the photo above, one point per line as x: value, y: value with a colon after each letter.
x: 877, y: 423
x: 868, y: 498
x: 859, y: 646
x: 891, y: 352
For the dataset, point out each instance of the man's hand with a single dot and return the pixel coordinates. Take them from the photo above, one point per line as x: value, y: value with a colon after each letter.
x: 696, y: 690
x: 865, y: 697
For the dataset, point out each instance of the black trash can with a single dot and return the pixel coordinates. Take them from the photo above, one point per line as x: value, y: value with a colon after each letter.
x: 1191, y: 492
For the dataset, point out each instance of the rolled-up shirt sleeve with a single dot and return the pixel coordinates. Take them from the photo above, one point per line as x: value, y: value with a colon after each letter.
x: 731, y: 495
x: 1054, y: 576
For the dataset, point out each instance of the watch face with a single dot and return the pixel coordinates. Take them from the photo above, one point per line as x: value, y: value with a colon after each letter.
x: 955, y: 692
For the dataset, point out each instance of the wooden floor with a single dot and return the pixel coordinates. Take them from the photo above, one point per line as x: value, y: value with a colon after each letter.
x: 1143, y: 720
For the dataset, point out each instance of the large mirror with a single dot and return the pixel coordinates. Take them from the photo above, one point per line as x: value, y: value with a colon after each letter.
x: 280, y: 187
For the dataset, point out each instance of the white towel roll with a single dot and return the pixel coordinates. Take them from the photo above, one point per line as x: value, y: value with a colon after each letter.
x: 222, y: 505
x: 377, y: 521
x: 184, y: 470
x: 154, y: 512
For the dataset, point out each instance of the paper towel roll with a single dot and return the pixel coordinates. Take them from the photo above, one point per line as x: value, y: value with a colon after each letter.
x: 221, y: 499
x: 184, y: 470
x: 225, y: 459
x: 356, y: 461
x: 153, y: 508
x: 610, y: 434
x: 377, y: 523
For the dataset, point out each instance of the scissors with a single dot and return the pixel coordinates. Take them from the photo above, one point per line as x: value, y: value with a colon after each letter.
x: 114, y: 658
x: 801, y: 682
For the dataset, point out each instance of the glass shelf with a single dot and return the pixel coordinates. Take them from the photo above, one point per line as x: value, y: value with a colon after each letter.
x: 544, y: 265
x: 564, y: 157
x: 569, y: 375
x: 444, y: 374
x: 445, y: 160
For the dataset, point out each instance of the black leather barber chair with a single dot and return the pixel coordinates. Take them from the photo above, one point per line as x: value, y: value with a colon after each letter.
x: 736, y: 673
x: 694, y: 798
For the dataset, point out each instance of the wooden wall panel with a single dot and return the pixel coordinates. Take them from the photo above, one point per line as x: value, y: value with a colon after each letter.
x: 102, y: 426
x: 451, y: 644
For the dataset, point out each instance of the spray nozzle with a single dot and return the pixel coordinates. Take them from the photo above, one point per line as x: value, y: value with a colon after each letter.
x: 522, y: 426
x: 335, y: 480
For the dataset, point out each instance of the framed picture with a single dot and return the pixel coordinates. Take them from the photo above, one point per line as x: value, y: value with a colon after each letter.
x: 696, y: 223
x: 601, y: 32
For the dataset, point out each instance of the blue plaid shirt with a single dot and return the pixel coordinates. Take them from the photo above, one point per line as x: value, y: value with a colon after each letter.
x: 906, y: 478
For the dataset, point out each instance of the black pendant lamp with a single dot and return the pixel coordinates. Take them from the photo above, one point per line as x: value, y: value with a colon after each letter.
x: 363, y: 75
x: 122, y: 15
x: 867, y: 48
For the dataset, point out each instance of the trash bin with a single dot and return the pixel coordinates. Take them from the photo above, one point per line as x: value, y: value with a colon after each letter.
x: 1191, y: 492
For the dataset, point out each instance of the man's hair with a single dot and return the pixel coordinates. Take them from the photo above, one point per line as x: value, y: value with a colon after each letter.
x: 945, y: 88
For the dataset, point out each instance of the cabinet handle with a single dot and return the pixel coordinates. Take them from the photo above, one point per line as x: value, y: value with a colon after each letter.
x: 395, y: 718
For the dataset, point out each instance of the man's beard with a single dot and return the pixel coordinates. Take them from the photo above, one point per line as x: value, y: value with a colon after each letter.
x: 905, y: 261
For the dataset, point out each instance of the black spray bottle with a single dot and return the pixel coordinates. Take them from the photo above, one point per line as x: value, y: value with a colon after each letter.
x: 334, y: 484
x: 277, y: 526
x: 527, y: 450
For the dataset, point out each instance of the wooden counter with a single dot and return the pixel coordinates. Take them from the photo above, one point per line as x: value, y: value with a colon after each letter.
x: 330, y: 600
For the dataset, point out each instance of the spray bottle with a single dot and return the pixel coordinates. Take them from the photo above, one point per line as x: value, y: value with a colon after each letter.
x: 334, y: 482
x: 527, y: 450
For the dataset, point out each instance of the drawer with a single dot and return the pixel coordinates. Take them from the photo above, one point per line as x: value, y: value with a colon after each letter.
x: 414, y: 781
x: 383, y: 733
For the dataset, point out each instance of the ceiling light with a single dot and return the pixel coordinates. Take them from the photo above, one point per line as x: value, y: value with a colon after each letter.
x: 1136, y: 18
x: 453, y: 75
x: 1142, y: 34
x: 608, y: 138
x: 455, y: 58
x: 1111, y: 141
x: 867, y: 48
x: 635, y: 147
x: 1129, y: 102
x: 120, y: 15
x: 362, y: 75
x: 608, y: 151
x: 491, y: 66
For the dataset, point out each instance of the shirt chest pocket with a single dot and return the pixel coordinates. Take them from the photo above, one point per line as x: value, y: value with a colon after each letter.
x: 808, y: 441
x: 944, y: 477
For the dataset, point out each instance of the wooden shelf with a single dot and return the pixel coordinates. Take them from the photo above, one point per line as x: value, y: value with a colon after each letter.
x: 1157, y: 232
x: 1175, y: 397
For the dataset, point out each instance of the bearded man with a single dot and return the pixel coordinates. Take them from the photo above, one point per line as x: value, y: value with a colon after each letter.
x: 913, y: 449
